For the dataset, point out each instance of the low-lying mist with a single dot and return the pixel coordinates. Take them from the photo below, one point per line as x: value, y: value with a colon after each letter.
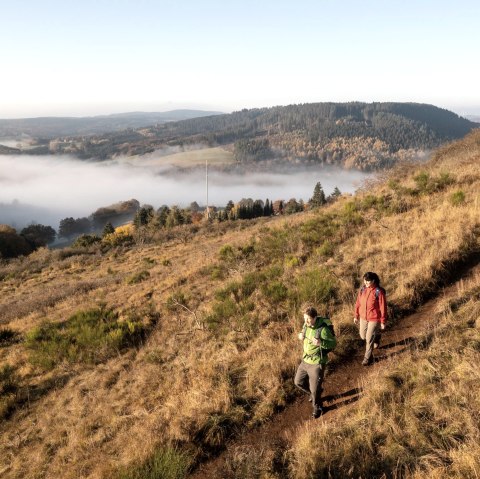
x: 45, y: 189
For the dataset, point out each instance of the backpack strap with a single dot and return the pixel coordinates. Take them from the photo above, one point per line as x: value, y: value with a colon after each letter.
x: 377, y: 291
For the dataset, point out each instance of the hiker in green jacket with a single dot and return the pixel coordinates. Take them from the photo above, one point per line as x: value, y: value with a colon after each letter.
x: 318, y: 339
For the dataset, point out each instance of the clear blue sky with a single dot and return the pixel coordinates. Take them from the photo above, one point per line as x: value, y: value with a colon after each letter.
x: 66, y: 57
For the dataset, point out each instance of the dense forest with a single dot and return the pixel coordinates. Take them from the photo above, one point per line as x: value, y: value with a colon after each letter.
x: 363, y: 136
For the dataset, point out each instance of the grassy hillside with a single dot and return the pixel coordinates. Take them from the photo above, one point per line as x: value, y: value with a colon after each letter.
x: 116, y: 360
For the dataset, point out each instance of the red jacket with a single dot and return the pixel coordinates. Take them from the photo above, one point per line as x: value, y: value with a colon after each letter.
x: 371, y: 304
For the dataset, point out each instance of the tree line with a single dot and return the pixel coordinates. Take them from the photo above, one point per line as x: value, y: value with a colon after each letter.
x: 104, y: 220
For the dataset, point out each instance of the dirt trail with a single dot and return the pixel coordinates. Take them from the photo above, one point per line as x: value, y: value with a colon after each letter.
x: 341, y: 388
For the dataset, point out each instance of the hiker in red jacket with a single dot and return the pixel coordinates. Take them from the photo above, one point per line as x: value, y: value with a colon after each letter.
x: 371, y: 313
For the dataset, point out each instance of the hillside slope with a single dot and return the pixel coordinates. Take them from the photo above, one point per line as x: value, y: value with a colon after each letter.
x: 114, y: 355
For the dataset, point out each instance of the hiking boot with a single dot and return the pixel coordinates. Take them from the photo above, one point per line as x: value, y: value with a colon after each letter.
x: 367, y: 361
x: 376, y: 342
x: 317, y: 412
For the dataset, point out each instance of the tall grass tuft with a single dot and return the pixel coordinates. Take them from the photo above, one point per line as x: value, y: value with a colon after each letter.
x: 165, y: 463
x: 90, y: 336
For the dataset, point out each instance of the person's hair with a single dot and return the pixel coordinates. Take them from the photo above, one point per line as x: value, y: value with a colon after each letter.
x: 369, y: 276
x: 311, y: 311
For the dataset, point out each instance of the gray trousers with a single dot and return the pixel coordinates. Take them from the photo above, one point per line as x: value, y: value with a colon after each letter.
x: 370, y: 332
x: 309, y: 378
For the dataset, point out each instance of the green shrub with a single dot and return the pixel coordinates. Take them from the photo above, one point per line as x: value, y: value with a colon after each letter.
x: 85, y: 241
x: 314, y: 286
x: 90, y: 336
x: 217, y: 272
x: 176, y: 300
x: 149, y: 261
x: 275, y: 292
x: 165, y: 463
x: 292, y: 261
x: 351, y: 215
x: 276, y: 244
x: 226, y: 253
x: 326, y: 249
x: 138, y: 277
x: 249, y: 284
x: 444, y: 180
x: 118, y: 239
x: 427, y: 184
x: 422, y: 180
x: 316, y: 231
x: 457, y: 198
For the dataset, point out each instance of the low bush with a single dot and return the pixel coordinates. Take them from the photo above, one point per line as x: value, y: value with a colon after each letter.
x: 89, y: 336
x: 138, y: 277
x: 457, y: 198
x: 314, y: 286
x: 165, y: 463
x: 85, y: 241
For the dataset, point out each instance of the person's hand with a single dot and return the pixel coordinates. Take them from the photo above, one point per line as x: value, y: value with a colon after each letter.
x: 300, y: 336
x: 382, y: 326
x: 355, y: 320
x: 315, y: 342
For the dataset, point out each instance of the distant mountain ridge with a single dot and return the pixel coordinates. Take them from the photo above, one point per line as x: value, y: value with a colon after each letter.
x: 363, y: 136
x: 54, y: 127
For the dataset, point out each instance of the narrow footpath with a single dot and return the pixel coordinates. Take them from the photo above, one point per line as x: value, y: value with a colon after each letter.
x: 342, y: 388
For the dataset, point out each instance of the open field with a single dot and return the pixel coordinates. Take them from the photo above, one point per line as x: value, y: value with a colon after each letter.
x: 214, y: 156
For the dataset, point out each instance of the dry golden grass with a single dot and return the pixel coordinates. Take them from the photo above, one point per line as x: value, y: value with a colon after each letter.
x: 418, y: 418
x: 191, y: 385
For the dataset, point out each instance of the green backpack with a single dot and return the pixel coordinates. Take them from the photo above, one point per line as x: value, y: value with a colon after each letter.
x: 329, y: 344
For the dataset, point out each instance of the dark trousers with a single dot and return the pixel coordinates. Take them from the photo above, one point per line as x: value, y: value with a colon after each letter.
x: 309, y: 378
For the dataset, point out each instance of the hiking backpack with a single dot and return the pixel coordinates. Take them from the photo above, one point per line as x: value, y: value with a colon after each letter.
x: 318, y: 334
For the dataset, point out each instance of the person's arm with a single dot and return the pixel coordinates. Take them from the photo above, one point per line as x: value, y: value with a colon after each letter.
x: 382, y: 304
x: 356, y: 314
x: 301, y: 335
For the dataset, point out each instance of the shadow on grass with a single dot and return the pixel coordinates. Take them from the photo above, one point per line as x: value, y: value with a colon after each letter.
x: 347, y: 397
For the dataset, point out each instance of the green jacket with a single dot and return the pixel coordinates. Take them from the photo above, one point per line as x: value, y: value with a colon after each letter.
x: 320, y: 330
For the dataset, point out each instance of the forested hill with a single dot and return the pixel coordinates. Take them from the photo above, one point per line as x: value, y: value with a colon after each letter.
x: 355, y: 135
x: 401, y: 125
x: 53, y: 127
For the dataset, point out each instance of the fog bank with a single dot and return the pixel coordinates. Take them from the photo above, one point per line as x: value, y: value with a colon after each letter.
x: 46, y: 189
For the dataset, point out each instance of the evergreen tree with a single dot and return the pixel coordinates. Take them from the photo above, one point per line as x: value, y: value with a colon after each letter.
x: 257, y: 209
x: 108, y: 229
x: 336, y: 193
x: 70, y: 227
x: 318, y: 198
x: 267, y: 209
x: 194, y: 207
x: 229, y: 207
x: 163, y: 213
x: 143, y: 216
x: 38, y: 235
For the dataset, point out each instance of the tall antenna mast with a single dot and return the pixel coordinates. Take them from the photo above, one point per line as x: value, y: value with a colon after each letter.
x: 206, y: 183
